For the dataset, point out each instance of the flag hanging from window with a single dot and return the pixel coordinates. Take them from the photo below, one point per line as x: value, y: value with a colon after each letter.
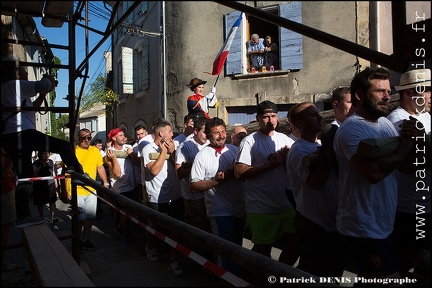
x: 223, y: 53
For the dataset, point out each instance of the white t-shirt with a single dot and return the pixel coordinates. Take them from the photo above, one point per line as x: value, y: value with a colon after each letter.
x: 266, y: 192
x: 413, y: 190
x: 288, y: 184
x: 319, y: 206
x: 137, y: 169
x: 126, y: 181
x: 365, y: 210
x: 185, y: 152
x: 336, y: 122
x: 226, y: 198
x: 141, y: 144
x: 13, y: 93
x: 165, y: 186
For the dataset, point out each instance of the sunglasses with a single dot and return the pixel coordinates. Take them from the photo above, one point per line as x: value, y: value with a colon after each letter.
x: 88, y: 138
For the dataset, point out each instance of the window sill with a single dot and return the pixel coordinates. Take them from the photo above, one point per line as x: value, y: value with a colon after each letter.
x: 260, y: 74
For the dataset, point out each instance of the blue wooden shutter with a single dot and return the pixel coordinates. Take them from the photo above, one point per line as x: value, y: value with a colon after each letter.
x: 291, y: 47
x: 234, y: 59
x: 143, y: 8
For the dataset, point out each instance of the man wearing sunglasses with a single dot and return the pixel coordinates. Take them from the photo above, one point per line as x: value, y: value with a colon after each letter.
x: 91, y: 161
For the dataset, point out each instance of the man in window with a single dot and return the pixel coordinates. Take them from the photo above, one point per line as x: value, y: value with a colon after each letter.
x: 256, y: 52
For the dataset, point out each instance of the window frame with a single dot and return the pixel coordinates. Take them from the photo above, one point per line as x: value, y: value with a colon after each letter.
x: 289, y: 42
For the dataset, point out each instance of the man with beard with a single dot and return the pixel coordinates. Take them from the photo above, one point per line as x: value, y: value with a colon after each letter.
x: 368, y: 186
x: 212, y: 173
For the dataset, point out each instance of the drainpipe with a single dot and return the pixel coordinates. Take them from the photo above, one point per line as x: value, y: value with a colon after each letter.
x: 164, y: 62
x: 377, y: 19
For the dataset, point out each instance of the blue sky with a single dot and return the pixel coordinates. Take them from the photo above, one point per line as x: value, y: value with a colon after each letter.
x: 96, y: 63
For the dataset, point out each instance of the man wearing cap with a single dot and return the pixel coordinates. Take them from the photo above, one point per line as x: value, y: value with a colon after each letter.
x: 415, y: 92
x: 260, y: 163
x: 198, y: 103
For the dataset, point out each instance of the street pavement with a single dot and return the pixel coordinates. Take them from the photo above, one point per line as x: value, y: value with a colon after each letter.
x: 111, y: 264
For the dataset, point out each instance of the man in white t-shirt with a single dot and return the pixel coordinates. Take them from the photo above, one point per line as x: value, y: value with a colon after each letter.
x: 260, y: 163
x: 315, y: 194
x: 342, y: 104
x: 195, y: 210
x: 188, y: 129
x: 140, y: 133
x: 142, y: 142
x: 163, y: 187
x: 367, y: 185
x: 413, y: 188
x: 19, y: 135
x: 125, y: 183
x: 213, y: 173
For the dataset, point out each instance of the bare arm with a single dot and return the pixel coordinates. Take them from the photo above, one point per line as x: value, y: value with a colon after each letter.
x: 243, y: 171
x: 374, y: 170
x: 113, y: 164
x: 204, y: 185
x: 39, y: 100
x: 156, y: 166
x: 102, y: 174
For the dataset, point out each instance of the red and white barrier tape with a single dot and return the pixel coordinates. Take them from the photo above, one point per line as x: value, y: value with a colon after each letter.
x: 41, y: 178
x: 209, y: 265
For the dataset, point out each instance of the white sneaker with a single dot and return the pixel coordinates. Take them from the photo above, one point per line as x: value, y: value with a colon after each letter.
x: 152, y: 254
x: 29, y: 221
x: 175, y: 268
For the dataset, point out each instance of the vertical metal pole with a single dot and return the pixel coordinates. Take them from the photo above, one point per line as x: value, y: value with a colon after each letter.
x: 164, y: 62
x: 75, y: 227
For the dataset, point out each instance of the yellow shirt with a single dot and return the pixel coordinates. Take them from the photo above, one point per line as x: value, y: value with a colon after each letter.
x: 90, y: 159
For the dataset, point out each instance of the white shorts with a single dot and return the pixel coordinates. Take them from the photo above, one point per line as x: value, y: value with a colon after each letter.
x: 87, y: 207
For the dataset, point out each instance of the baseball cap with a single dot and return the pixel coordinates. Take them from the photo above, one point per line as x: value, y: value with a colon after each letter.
x: 266, y: 107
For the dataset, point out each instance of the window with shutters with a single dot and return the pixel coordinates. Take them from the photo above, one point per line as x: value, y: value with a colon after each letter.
x: 127, y: 70
x: 141, y: 66
x: 290, y: 50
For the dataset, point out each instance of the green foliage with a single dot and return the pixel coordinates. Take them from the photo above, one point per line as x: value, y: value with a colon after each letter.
x: 54, y: 71
x: 58, y: 125
x: 99, y: 94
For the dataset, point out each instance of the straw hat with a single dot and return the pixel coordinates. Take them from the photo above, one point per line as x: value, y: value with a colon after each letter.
x: 413, y: 78
x: 195, y: 82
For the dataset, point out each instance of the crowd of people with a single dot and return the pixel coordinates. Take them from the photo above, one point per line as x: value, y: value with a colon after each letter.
x: 355, y: 207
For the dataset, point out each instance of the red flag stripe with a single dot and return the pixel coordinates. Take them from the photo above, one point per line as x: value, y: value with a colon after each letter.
x: 223, y: 53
